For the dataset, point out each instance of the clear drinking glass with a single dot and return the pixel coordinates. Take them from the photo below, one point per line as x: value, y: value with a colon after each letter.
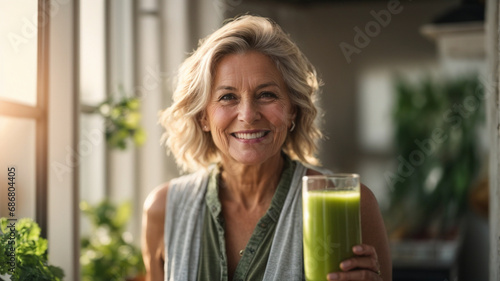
x: 331, y: 222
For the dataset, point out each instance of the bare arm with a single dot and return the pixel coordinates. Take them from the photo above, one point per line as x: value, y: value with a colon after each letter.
x: 153, y: 222
x: 374, y: 232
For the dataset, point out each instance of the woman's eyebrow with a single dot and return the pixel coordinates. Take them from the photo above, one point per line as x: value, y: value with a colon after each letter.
x: 268, y: 84
x: 225, y: 88
x: 261, y: 86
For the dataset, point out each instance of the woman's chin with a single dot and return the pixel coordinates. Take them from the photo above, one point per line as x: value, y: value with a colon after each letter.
x: 253, y: 158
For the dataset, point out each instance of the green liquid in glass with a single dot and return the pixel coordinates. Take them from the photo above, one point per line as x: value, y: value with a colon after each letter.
x: 332, y: 227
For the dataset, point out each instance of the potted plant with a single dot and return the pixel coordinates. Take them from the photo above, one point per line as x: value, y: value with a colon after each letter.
x: 108, y: 254
x: 437, y: 148
x: 24, y: 252
x: 122, y: 120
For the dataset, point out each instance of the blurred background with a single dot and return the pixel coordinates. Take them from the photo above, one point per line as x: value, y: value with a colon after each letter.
x: 402, y: 104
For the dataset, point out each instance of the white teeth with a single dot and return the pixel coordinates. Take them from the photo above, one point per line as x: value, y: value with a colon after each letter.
x: 249, y: 136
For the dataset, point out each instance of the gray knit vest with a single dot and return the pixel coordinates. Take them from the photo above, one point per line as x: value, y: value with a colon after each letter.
x: 184, y: 222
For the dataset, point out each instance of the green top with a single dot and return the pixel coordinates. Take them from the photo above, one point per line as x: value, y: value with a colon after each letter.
x: 212, y: 264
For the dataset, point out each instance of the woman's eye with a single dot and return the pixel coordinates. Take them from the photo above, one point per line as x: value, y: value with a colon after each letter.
x: 268, y: 95
x: 227, y: 97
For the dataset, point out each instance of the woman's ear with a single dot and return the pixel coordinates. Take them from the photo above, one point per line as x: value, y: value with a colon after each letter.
x: 293, y: 115
x: 292, y: 118
x: 205, y: 126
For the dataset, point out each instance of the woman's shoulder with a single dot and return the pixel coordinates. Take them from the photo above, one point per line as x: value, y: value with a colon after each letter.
x: 316, y: 170
x: 368, y: 199
x: 192, y: 177
x: 313, y: 172
x: 155, y: 202
x: 157, y: 198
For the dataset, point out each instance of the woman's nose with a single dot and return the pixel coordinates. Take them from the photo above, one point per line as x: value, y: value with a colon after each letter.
x: 248, y: 111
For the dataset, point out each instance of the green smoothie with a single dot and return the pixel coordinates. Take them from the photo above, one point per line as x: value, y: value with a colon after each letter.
x: 332, y: 227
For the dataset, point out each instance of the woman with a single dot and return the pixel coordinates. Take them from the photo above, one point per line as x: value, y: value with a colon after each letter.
x: 243, y: 117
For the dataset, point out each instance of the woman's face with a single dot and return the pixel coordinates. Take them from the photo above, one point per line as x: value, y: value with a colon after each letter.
x: 249, y: 112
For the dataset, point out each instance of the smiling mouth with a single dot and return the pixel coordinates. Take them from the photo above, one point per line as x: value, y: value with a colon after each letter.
x: 250, y: 136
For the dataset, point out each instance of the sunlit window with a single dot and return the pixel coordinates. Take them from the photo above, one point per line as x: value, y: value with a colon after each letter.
x: 18, y: 51
x: 23, y: 110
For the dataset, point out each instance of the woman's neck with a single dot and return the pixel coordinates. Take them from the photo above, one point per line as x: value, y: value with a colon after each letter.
x: 251, y: 185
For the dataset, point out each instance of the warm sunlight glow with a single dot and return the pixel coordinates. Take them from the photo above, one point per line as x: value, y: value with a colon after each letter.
x: 18, y: 51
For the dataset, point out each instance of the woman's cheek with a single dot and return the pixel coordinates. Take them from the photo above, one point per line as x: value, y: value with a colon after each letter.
x: 220, y: 117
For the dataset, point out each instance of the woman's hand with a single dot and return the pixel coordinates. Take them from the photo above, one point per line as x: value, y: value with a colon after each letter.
x: 364, y: 266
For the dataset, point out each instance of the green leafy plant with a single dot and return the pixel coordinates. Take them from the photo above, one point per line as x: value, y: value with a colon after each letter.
x: 122, y: 120
x: 108, y: 253
x: 436, y: 141
x: 31, y: 262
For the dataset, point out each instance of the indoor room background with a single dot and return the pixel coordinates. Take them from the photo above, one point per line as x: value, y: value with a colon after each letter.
x: 368, y: 53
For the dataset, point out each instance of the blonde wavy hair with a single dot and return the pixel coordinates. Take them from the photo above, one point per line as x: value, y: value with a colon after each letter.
x: 191, y: 146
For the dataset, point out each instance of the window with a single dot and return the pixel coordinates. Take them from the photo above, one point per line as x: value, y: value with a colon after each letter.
x: 23, y: 106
